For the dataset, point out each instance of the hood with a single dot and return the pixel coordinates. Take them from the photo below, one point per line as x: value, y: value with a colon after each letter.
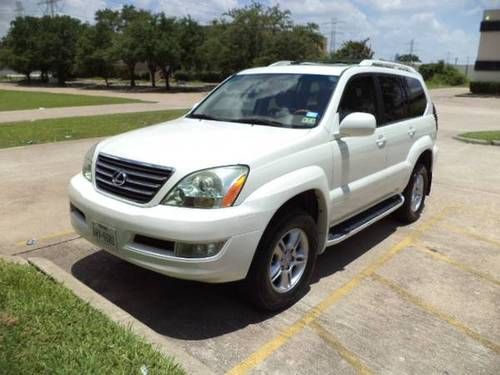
x: 192, y: 144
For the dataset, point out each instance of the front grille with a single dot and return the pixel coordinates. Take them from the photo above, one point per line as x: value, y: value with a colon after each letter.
x: 141, y: 181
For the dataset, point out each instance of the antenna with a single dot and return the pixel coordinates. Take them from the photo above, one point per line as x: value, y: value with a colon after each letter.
x: 50, y: 7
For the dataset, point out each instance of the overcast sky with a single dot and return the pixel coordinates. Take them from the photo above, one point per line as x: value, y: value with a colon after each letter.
x: 441, y: 29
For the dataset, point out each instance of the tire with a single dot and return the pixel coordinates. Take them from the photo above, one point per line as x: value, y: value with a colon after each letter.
x: 410, y: 211
x: 291, y: 224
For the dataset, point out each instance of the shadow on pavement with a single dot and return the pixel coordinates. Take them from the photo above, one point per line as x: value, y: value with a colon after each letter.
x: 196, y: 311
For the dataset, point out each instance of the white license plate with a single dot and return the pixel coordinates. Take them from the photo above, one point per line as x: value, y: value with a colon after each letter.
x: 104, y: 234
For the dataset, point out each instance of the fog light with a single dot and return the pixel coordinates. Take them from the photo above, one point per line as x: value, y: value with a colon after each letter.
x: 197, y: 250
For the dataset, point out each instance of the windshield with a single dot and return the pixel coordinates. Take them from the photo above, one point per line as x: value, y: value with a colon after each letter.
x: 284, y: 100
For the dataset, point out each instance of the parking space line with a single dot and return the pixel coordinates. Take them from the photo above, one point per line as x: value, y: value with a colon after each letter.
x: 441, y: 257
x: 49, y: 237
x: 345, y: 353
x: 469, y: 233
x: 312, y: 314
x: 430, y: 309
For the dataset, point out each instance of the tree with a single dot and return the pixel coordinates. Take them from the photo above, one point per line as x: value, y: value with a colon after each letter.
x: 95, y: 53
x: 19, y: 46
x: 167, y: 49
x: 352, y: 50
x: 57, y: 44
x: 190, y: 35
x: 408, y: 58
x: 129, y: 46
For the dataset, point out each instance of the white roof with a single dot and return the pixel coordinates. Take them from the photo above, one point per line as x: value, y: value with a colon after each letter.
x: 323, y: 69
x: 289, y: 67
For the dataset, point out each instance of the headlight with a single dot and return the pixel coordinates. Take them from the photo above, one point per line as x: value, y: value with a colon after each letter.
x: 87, y: 163
x: 209, y: 188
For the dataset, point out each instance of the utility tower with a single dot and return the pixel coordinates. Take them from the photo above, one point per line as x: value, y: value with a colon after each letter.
x: 19, y: 9
x: 50, y: 7
x: 333, y: 34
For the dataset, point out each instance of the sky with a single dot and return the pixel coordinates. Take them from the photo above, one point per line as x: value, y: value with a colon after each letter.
x: 440, y: 29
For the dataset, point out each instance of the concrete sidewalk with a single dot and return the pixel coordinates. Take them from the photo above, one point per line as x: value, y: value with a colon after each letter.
x: 157, y: 102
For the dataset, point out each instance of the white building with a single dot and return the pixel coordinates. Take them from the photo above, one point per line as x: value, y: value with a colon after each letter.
x: 487, y: 66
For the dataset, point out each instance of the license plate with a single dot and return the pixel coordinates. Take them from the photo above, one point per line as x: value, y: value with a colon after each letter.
x: 104, y: 234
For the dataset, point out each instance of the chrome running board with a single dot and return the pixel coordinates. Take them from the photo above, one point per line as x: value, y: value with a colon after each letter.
x: 356, y: 224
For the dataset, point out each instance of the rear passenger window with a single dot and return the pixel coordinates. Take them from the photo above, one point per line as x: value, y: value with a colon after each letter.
x: 416, y: 97
x: 394, y: 99
x: 359, y: 96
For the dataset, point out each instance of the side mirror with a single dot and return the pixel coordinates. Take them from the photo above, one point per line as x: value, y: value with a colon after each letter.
x: 357, y: 124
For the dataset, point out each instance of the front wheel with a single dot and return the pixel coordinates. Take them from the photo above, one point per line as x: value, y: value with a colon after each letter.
x: 414, y: 195
x: 284, y: 261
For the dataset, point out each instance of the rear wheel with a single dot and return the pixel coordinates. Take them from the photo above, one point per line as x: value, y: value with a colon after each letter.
x: 284, y: 261
x: 414, y: 195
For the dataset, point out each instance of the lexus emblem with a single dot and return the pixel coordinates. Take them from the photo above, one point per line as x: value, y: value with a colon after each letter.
x: 119, y: 178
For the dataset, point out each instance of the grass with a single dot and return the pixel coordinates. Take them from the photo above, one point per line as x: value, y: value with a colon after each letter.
x: 491, y: 135
x: 63, y: 129
x: 13, y: 100
x: 45, y: 329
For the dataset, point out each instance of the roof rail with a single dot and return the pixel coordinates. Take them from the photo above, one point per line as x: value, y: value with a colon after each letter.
x: 281, y: 63
x: 388, y: 64
x: 312, y: 63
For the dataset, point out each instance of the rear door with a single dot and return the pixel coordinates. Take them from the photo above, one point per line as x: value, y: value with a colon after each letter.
x: 403, y: 103
x: 359, y: 162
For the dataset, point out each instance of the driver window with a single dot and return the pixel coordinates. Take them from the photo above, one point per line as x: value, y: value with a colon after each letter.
x: 359, y: 96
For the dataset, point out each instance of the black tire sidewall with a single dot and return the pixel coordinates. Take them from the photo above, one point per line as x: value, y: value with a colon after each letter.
x: 406, y: 213
x: 258, y: 282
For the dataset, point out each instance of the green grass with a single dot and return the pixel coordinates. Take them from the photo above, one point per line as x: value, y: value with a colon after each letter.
x: 63, y: 129
x: 12, y: 100
x: 45, y: 329
x: 491, y: 135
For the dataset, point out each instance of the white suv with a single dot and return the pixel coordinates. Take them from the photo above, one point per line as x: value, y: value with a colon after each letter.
x: 271, y: 168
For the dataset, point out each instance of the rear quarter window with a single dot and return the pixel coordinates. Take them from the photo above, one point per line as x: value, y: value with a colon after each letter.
x: 417, y: 101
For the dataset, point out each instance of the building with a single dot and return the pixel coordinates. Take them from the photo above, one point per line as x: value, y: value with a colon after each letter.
x: 487, y: 66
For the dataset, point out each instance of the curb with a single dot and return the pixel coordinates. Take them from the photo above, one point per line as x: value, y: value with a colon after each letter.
x: 116, y: 314
x: 476, y: 141
x: 13, y: 259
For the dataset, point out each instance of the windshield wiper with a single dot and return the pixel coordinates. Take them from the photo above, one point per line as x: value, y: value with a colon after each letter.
x: 202, y: 116
x: 259, y: 121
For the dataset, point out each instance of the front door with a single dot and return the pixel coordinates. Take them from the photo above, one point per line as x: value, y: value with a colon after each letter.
x: 358, y: 162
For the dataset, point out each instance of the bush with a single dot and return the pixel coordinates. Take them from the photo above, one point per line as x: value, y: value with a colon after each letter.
x: 183, y: 75
x: 442, y: 74
x: 492, y: 88
x: 210, y: 76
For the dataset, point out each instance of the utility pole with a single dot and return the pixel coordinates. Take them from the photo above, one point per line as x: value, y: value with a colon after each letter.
x: 19, y: 9
x: 412, y: 46
x: 456, y: 60
x: 448, y: 58
x: 467, y: 67
x: 50, y: 7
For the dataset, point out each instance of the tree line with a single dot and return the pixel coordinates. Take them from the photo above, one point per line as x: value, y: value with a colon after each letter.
x: 121, y: 39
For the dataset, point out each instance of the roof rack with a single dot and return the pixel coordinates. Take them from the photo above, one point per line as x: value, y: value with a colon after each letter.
x: 387, y: 64
x: 312, y: 63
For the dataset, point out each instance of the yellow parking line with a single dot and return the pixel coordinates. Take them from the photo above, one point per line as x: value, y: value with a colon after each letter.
x: 270, y: 347
x: 471, y: 234
x: 49, y: 237
x: 437, y: 313
x: 446, y: 259
x: 345, y: 353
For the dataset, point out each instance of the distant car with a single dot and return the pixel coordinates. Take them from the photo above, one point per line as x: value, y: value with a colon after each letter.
x: 271, y: 168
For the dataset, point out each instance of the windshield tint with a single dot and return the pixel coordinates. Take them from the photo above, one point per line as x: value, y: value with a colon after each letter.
x: 284, y: 100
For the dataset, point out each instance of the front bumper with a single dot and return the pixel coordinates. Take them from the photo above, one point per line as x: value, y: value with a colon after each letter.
x: 240, y: 227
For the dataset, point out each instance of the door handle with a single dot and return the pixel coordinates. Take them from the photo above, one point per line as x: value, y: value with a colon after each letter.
x: 381, y: 141
x: 411, y: 131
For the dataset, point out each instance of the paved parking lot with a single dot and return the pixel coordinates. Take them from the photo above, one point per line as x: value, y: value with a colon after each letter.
x: 423, y: 298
